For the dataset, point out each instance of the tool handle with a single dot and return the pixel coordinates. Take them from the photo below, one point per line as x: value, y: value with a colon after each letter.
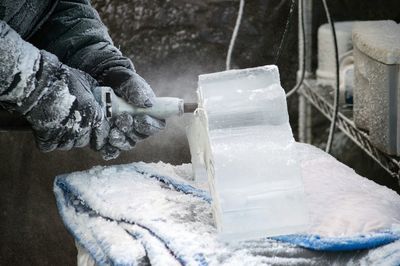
x: 163, y: 107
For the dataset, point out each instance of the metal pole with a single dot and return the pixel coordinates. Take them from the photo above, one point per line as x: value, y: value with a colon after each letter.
x: 305, y: 120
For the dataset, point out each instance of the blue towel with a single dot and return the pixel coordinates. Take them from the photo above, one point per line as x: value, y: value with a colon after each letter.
x: 147, y: 213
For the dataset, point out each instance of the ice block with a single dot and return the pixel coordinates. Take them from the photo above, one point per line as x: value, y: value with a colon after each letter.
x: 241, y: 142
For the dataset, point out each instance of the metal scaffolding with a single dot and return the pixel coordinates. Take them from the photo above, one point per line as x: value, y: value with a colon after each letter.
x: 310, y: 94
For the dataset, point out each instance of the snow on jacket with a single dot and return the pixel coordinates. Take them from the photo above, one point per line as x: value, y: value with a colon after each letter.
x: 73, y: 31
x: 55, y: 98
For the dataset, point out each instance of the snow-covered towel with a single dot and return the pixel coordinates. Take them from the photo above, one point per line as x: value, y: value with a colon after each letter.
x: 153, y: 214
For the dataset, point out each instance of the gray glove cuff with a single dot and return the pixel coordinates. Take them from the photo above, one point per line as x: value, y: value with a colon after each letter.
x: 57, y: 100
x: 19, y: 65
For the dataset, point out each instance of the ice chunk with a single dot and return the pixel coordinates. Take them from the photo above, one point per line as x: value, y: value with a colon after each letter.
x: 241, y: 138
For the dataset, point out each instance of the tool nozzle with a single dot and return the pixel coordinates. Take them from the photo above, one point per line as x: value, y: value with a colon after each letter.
x: 189, y: 107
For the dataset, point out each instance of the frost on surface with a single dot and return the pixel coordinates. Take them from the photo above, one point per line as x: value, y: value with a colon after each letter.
x: 376, y: 75
x: 341, y: 202
x: 124, y: 213
x: 378, y: 39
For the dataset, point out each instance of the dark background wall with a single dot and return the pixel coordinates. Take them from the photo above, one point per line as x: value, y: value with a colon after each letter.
x: 171, y: 43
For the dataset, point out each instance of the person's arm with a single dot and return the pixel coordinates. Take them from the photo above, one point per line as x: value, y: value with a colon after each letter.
x: 75, y: 33
x: 58, y: 101
x: 55, y: 99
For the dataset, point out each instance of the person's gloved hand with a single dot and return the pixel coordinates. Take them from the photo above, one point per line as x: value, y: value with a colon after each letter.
x: 66, y: 114
x: 58, y: 100
x: 89, y: 47
x: 127, y: 130
x: 127, y: 84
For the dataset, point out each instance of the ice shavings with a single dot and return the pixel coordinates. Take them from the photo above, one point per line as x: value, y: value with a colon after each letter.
x: 386, y: 255
x: 156, y: 252
x: 110, y: 240
x: 164, y: 220
x: 143, y: 201
x: 341, y: 202
x: 124, y: 213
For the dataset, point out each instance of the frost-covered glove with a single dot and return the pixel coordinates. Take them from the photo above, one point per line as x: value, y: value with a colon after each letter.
x: 74, y: 32
x: 127, y: 130
x: 67, y: 115
x: 128, y: 85
x: 55, y: 99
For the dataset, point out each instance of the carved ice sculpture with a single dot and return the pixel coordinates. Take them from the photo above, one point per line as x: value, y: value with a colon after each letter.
x: 241, y: 142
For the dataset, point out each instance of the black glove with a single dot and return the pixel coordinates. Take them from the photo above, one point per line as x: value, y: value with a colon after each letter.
x: 88, y: 47
x: 54, y: 98
x: 57, y: 100
x: 67, y: 114
x: 126, y: 82
x: 128, y: 130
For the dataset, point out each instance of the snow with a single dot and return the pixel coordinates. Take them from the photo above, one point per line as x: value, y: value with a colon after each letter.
x: 183, y: 220
x: 390, y: 253
x: 172, y: 227
x: 341, y: 202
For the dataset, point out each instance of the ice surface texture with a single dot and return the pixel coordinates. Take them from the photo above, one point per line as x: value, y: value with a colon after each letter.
x: 153, y: 213
x: 242, y: 137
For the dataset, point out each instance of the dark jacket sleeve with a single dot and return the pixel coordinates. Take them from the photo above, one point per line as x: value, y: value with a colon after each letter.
x: 75, y: 33
x: 20, y: 69
x: 55, y: 99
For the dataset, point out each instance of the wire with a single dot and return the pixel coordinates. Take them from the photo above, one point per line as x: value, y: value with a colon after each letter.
x: 303, y: 59
x: 234, y: 35
x: 283, y: 42
x: 336, y: 96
